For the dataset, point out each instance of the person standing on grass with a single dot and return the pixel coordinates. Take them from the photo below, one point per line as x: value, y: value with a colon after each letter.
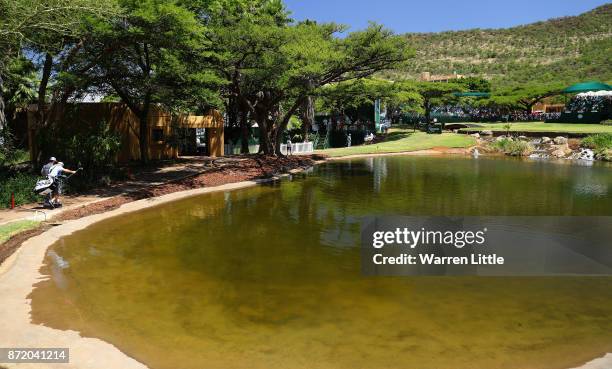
x: 289, y: 149
x: 46, y: 169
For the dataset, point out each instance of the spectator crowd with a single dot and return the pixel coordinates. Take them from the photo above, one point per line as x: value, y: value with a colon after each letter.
x: 589, y: 104
x: 485, y: 114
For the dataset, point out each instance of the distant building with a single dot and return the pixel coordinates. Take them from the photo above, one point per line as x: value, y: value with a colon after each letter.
x: 546, y: 107
x: 428, y: 77
x: 163, y: 129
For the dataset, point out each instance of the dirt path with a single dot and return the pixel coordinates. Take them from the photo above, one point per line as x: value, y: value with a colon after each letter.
x: 138, y: 179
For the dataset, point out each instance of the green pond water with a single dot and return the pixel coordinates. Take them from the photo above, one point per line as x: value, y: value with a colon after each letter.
x: 269, y: 276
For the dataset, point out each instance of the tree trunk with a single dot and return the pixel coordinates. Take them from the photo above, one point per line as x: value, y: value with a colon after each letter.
x: 278, y: 140
x: 282, y: 126
x: 232, y: 112
x: 42, y: 88
x: 270, y: 138
x: 41, y: 104
x: 2, y: 116
x: 244, y: 132
x: 427, y: 114
x: 264, y: 138
x: 143, y: 137
x: 307, y: 114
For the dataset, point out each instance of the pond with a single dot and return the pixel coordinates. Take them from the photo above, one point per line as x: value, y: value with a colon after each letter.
x: 269, y: 276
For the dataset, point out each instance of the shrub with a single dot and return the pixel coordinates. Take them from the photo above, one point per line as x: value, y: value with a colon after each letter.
x: 8, y: 154
x: 94, y: 150
x: 513, y: 148
x: 600, y: 141
x: 22, y: 184
x: 605, y: 155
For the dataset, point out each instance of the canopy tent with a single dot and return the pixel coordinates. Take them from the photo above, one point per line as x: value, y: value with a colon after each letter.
x: 586, y: 87
x: 471, y: 94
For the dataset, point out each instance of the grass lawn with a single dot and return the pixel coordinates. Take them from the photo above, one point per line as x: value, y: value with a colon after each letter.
x: 543, y: 127
x: 404, y: 140
x: 7, y: 230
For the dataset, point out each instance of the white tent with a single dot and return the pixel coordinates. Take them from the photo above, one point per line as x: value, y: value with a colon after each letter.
x: 595, y: 93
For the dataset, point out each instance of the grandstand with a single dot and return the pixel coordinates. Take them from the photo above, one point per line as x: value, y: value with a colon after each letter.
x: 591, y: 104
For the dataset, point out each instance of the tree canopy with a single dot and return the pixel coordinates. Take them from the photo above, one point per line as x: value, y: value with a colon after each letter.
x: 436, y: 93
x: 40, y: 26
x: 523, y: 97
x: 247, y: 58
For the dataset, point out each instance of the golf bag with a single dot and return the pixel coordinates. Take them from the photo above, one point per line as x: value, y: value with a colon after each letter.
x: 44, y: 186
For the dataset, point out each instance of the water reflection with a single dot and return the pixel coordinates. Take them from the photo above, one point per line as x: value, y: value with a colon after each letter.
x: 270, y: 276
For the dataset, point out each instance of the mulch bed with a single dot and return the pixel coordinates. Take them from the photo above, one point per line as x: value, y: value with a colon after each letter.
x: 222, y: 171
x: 239, y: 170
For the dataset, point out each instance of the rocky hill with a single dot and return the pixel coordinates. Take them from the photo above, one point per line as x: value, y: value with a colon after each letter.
x: 567, y: 49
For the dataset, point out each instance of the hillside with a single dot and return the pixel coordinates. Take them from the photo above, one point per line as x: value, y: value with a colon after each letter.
x: 568, y: 49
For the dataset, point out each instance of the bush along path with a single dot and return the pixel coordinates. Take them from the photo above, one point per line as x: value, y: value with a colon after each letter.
x: 20, y: 186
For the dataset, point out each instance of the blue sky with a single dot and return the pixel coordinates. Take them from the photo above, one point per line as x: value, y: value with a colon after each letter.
x: 437, y: 15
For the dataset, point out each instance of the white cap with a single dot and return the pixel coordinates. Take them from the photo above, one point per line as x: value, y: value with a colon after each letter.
x: 52, y: 158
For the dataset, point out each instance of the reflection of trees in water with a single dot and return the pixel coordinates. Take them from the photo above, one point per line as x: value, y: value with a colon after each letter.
x: 276, y: 254
x: 458, y: 186
x: 271, y: 243
x: 378, y: 167
x: 269, y: 249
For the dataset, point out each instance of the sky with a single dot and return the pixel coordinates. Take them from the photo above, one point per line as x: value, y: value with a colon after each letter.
x: 437, y: 15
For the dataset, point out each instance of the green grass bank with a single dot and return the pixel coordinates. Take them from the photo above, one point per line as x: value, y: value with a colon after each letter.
x: 404, y: 140
x: 541, y: 127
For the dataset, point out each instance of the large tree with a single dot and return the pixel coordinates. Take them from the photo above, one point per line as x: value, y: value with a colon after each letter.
x: 274, y: 67
x: 154, y: 54
x: 40, y: 25
x: 247, y: 35
x: 310, y: 56
x: 345, y: 97
x: 435, y: 94
x: 524, y: 97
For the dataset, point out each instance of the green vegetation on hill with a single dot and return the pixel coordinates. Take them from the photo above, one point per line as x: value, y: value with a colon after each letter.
x: 565, y: 49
